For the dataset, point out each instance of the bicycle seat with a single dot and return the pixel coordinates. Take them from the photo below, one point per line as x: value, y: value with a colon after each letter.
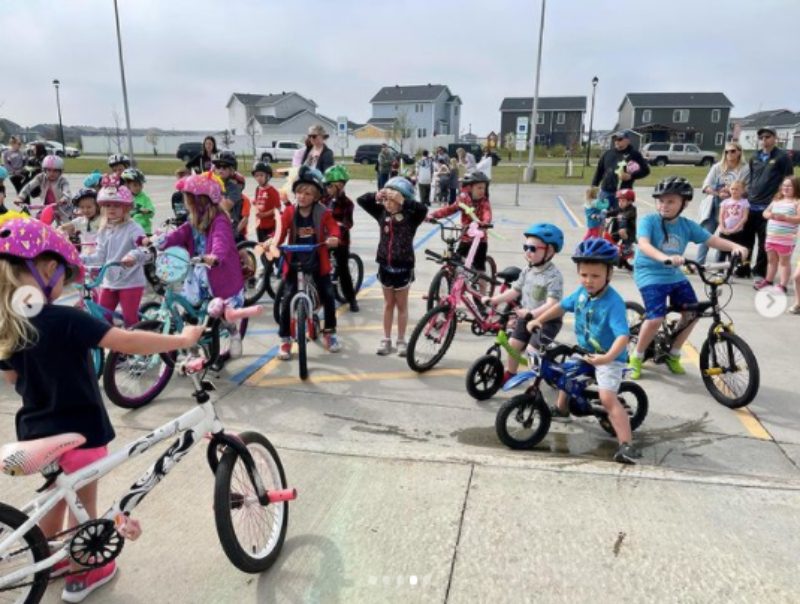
x: 31, y: 456
x: 509, y: 274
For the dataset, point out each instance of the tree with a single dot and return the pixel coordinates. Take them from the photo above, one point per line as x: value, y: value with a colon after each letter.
x: 400, y: 129
x: 251, y: 132
x: 152, y: 138
x: 227, y: 139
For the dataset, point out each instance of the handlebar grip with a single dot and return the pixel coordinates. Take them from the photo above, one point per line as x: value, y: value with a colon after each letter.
x: 434, y: 255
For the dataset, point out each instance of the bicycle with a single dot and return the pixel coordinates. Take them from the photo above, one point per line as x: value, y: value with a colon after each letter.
x: 132, y: 381
x: 356, y: 267
x: 728, y: 367
x: 524, y: 420
x: 251, y: 498
x: 485, y: 376
x: 260, y: 268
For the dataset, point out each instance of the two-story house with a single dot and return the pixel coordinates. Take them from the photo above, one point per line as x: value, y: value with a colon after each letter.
x: 785, y: 123
x: 559, y: 119
x: 273, y: 114
x: 428, y: 110
x: 696, y: 117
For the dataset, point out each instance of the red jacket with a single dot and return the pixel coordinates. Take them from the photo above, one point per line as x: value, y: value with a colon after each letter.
x: 267, y: 199
x: 482, y: 207
x: 324, y: 226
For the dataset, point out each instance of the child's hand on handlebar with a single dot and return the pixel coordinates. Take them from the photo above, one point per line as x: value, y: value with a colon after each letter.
x: 675, y: 260
x: 210, y: 260
x: 740, y: 251
x: 596, y: 359
x: 521, y: 312
x: 191, y: 334
x: 487, y: 301
x: 332, y: 241
x: 128, y: 261
x: 533, y: 325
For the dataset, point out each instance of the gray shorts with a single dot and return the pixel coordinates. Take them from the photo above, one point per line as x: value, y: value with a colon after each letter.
x: 609, y: 376
x: 549, y: 331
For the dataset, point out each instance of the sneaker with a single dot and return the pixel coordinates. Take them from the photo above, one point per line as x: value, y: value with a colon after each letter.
x: 794, y: 309
x: 354, y: 306
x: 332, y: 343
x: 285, y: 352
x: 674, y: 364
x: 81, y: 585
x: 385, y: 347
x: 557, y: 415
x: 402, y: 348
x: 761, y: 284
x: 60, y: 569
x: 627, y: 454
x: 635, y: 365
x: 235, y: 349
x: 782, y: 289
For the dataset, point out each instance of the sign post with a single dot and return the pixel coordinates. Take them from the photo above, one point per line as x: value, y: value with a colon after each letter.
x: 522, y: 133
x: 341, y: 133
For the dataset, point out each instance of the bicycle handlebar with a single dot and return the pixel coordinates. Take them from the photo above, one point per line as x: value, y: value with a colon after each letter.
x: 703, y: 269
x: 95, y: 283
x: 300, y: 248
x: 455, y: 261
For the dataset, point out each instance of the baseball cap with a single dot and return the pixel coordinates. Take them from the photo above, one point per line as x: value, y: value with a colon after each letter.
x: 763, y: 130
x: 621, y: 134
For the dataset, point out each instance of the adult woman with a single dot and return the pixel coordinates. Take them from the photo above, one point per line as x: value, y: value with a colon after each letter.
x: 730, y: 168
x: 202, y: 161
x: 466, y: 161
x: 318, y: 155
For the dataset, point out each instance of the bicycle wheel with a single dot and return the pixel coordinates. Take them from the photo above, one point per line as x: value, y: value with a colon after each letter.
x: 633, y: 397
x: 356, y: 267
x: 254, y: 272
x: 439, y: 288
x: 147, y: 311
x: 251, y: 535
x: 28, y: 550
x: 132, y: 381
x: 431, y: 338
x: 300, y: 336
x: 491, y: 271
x: 634, y: 315
x: 276, y: 306
x: 729, y: 369
x: 485, y: 377
x: 274, y: 277
x: 98, y: 361
x: 523, y: 421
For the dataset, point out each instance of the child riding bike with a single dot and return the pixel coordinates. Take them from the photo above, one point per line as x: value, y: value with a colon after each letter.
x: 663, y: 237
x: 46, y: 358
x: 341, y: 206
x: 52, y: 188
x: 143, y: 208
x: 85, y: 227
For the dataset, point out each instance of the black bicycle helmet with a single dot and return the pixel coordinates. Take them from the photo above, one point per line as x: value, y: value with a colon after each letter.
x: 118, y: 158
x: 262, y: 166
x: 311, y: 176
x: 596, y: 250
x: 676, y: 185
x: 225, y: 159
x: 474, y: 178
x: 82, y: 194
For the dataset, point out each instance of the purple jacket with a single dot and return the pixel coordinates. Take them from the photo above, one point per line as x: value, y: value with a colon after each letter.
x: 225, y: 279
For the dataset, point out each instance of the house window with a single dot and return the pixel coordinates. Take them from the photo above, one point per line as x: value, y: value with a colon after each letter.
x: 422, y: 132
x: 561, y: 117
x: 647, y: 116
x: 719, y: 139
x: 680, y: 116
x: 715, y: 114
x: 539, y: 118
x: 681, y: 137
x: 698, y: 138
x: 455, y: 110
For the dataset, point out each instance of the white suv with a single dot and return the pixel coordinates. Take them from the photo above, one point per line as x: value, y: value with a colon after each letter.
x: 661, y: 154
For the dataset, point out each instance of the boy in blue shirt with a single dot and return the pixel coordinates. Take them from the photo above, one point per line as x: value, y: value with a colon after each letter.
x: 662, y: 238
x: 600, y: 325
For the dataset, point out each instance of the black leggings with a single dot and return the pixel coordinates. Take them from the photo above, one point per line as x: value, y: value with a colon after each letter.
x: 325, y: 290
x: 342, y: 255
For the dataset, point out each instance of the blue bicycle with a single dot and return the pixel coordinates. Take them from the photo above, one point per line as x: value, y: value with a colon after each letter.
x: 524, y: 420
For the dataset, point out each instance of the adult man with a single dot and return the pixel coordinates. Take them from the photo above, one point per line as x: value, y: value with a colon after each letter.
x: 384, y: 165
x: 425, y: 177
x: 619, y: 167
x: 768, y: 168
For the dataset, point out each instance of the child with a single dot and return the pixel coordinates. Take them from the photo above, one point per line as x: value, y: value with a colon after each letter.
x: 118, y: 163
x: 454, y: 176
x: 594, y: 209
x: 51, y: 187
x: 733, y: 213
x: 662, y: 238
x: 540, y: 287
x: 143, y: 208
x: 14, y: 162
x: 94, y: 181
x: 341, y: 206
x: 179, y: 211
x: 309, y: 222
x: 783, y: 216
x: 208, y: 234
x: 399, y: 216
x: 225, y: 167
x: 117, y: 241
x: 600, y: 325
x: 443, y: 178
x: 85, y: 227
x: 267, y: 200
x: 46, y: 359
x: 623, y: 225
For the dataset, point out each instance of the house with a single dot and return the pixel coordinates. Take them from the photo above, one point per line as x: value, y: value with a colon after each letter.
x: 697, y: 117
x: 785, y: 123
x: 429, y: 110
x: 266, y: 112
x: 559, y: 119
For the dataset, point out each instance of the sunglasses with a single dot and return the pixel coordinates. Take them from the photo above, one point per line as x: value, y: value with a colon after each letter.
x: 727, y: 151
x: 533, y: 248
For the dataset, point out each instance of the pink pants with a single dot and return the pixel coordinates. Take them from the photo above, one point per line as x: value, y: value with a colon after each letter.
x: 74, y: 460
x: 128, y: 298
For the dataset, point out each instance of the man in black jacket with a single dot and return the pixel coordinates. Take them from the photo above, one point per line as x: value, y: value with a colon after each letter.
x: 768, y: 167
x: 619, y: 167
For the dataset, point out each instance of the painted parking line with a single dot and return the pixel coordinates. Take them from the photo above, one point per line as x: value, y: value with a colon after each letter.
x: 573, y: 219
x: 751, y: 423
x: 266, y: 382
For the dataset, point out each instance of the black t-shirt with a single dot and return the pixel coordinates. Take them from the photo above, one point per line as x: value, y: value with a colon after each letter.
x: 56, y: 379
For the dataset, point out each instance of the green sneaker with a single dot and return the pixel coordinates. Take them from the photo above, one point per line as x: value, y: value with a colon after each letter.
x: 635, y: 365
x: 674, y: 364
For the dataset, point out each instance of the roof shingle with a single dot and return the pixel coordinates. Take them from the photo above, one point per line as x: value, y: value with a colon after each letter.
x: 546, y: 103
x: 677, y: 99
x: 426, y: 92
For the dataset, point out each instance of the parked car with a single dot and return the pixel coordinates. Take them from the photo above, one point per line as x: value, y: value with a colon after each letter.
x: 368, y: 154
x: 187, y: 151
x: 49, y: 146
x: 661, y: 154
x: 73, y: 151
x: 278, y: 151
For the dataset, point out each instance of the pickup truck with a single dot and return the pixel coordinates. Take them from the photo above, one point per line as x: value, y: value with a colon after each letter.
x: 279, y: 151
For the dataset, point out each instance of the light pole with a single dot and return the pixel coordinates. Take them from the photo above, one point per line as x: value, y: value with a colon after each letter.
x: 591, y: 120
x: 56, y: 84
x: 530, y: 172
x: 124, y: 87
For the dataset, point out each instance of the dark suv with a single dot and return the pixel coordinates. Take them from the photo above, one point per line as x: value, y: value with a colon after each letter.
x: 368, y: 154
x: 187, y: 151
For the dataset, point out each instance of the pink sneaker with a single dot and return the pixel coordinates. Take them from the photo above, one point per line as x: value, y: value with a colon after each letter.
x: 761, y: 284
x: 781, y: 288
x: 60, y: 569
x: 78, y: 587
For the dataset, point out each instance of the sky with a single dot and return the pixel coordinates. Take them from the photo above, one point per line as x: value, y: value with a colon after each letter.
x: 183, y: 59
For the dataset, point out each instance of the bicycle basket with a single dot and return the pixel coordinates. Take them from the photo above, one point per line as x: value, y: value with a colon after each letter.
x: 173, y: 265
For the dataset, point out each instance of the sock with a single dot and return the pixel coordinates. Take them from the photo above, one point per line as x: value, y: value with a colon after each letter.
x: 635, y: 354
x: 675, y: 352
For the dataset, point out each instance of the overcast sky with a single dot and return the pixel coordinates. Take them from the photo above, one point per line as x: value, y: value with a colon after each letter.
x: 183, y: 59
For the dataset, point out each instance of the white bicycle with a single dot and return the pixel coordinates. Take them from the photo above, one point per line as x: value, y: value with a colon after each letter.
x: 251, y: 508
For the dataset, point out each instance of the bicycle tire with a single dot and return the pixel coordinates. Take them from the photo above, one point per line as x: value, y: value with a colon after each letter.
x: 274, y: 278
x: 354, y: 261
x: 302, y: 343
x: 276, y: 306
x: 110, y: 382
x: 715, y: 382
x: 636, y: 415
x: 146, y: 310
x: 428, y: 320
x: 35, y: 543
x: 635, y: 317
x: 491, y: 272
x: 533, y: 403
x: 227, y: 505
x: 485, y: 377
x: 98, y: 362
x: 254, y: 272
x: 435, y: 292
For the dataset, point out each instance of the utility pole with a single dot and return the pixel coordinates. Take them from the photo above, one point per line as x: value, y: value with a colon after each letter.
x: 530, y: 171
x: 124, y: 87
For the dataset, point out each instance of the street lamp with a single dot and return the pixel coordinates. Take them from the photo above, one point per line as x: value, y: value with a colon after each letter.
x: 530, y: 172
x: 591, y: 120
x: 56, y: 84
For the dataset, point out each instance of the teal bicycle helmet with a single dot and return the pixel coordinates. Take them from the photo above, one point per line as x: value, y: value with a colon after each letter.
x: 402, y: 186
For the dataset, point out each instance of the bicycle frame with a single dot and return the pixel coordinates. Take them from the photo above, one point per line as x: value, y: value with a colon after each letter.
x: 306, y: 292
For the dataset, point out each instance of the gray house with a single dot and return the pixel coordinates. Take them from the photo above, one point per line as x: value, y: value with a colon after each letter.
x: 430, y: 109
x: 785, y: 123
x: 267, y: 110
x: 696, y: 117
x: 559, y: 118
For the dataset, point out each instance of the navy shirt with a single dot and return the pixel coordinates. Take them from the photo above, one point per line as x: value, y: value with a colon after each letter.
x: 56, y: 379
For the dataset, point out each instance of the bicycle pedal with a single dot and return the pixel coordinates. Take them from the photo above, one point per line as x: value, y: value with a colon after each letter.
x: 208, y: 385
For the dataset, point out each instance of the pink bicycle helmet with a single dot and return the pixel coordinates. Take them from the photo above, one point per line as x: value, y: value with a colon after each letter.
x: 27, y: 238
x: 52, y: 162
x: 202, y: 184
x: 119, y: 194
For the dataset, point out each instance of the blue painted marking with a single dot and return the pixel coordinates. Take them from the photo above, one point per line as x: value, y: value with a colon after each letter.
x: 563, y: 205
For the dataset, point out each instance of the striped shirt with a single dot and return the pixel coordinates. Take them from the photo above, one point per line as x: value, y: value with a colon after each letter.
x: 778, y: 231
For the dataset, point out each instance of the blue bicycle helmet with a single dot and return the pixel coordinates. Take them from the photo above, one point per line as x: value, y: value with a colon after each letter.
x: 310, y: 176
x: 548, y: 233
x: 596, y: 250
x: 402, y: 186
